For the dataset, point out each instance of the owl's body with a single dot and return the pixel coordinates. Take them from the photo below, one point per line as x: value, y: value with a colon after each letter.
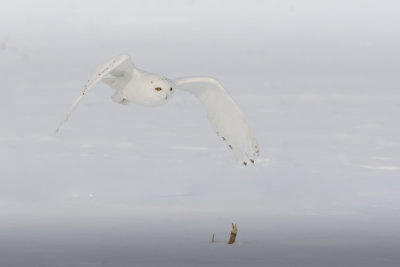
x: 132, y: 85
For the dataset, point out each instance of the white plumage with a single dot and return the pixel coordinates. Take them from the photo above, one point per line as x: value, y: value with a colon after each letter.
x: 144, y: 88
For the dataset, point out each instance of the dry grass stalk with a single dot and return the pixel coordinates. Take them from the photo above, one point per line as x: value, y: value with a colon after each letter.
x: 232, y: 238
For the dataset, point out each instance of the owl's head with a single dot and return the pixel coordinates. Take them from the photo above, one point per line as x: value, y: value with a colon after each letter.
x: 158, y: 91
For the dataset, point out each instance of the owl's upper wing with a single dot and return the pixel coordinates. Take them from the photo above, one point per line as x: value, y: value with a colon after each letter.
x: 120, y: 66
x: 224, y: 114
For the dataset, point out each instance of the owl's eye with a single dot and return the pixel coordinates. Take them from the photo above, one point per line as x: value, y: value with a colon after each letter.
x: 170, y: 89
x: 158, y: 88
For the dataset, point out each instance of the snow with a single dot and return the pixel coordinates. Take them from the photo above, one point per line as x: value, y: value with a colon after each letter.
x: 116, y: 189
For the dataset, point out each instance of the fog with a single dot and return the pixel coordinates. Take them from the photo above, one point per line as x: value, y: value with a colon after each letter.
x: 121, y: 185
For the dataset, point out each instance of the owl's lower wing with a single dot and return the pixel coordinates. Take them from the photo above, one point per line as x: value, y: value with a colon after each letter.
x: 224, y: 114
x: 118, y: 67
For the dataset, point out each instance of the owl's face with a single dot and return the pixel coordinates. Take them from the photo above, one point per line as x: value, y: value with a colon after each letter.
x: 163, y: 88
x: 149, y: 90
x: 158, y: 91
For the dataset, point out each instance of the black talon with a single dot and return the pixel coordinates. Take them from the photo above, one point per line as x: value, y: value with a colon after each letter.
x: 244, y: 163
x: 230, y: 147
x: 223, y: 138
x: 252, y: 161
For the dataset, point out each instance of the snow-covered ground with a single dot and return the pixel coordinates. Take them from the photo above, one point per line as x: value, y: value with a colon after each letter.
x: 134, y: 186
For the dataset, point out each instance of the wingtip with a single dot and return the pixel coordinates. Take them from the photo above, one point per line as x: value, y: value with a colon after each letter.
x: 58, y: 129
x: 60, y: 125
x: 123, y: 57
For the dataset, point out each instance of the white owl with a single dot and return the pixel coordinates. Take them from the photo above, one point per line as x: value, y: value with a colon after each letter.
x: 144, y: 88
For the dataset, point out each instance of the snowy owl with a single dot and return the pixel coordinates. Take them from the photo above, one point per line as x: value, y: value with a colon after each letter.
x: 134, y: 85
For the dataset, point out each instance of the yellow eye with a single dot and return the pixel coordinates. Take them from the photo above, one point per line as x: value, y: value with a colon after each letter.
x: 158, y: 88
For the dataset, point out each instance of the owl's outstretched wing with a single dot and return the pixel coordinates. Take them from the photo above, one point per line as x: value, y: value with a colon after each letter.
x: 224, y: 114
x: 119, y: 67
